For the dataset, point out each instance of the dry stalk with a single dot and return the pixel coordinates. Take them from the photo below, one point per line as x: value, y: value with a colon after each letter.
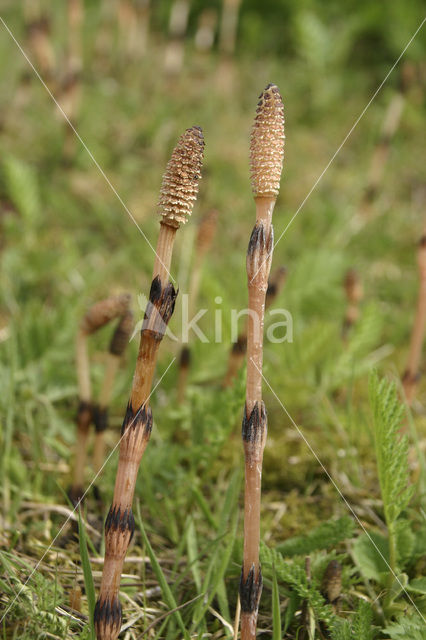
x: 178, y: 193
x: 206, y: 28
x: 331, y: 586
x: 175, y: 50
x: 238, y: 350
x: 412, y: 371
x: 354, y: 293
x: 266, y: 160
x: 133, y: 21
x: 205, y: 235
x: 118, y: 344
x: 391, y: 122
x: 41, y: 45
x: 75, y: 22
x: 97, y: 316
x: 229, y: 26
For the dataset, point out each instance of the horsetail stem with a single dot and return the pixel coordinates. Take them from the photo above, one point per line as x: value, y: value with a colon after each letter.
x: 412, y: 371
x: 98, y: 315
x: 205, y: 235
x: 354, y: 293
x: 266, y: 160
x: 178, y: 193
x: 118, y: 344
x: 238, y: 350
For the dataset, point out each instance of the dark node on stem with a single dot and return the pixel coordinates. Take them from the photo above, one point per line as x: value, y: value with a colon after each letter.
x: 275, y: 284
x: 271, y: 291
x: 96, y: 493
x: 370, y: 193
x: 116, y: 519
x: 257, y: 240
x: 411, y: 378
x: 155, y: 291
x: 160, y: 308
x: 240, y: 346
x: 75, y: 494
x: 422, y: 242
x: 331, y: 586
x: 84, y: 415
x: 107, y: 617
x: 254, y: 426
x: 121, y: 335
x: 141, y: 419
x: 100, y: 418
x: 185, y: 358
x: 259, y: 252
x: 250, y: 590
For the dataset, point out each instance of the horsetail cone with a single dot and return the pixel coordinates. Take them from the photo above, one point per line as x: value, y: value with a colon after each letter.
x: 267, y: 144
x: 104, y: 311
x: 178, y: 193
x: 180, y: 181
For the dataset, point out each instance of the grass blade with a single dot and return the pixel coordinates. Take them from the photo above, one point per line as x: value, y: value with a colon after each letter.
x: 165, y: 589
x: 87, y: 573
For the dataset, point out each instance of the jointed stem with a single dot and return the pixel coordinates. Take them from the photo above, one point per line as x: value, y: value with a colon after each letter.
x: 266, y: 158
x: 255, y: 423
x: 411, y: 375
x: 178, y: 193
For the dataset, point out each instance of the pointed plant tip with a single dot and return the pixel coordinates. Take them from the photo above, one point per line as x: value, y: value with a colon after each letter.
x: 179, y: 188
x: 267, y: 143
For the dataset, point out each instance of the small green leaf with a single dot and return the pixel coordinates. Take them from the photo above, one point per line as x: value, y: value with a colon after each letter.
x: 371, y: 553
x: 418, y: 585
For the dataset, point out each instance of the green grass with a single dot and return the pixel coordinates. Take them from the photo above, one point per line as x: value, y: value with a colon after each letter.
x: 66, y: 241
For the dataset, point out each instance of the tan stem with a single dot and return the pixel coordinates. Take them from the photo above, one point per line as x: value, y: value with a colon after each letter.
x: 417, y: 335
x: 183, y: 374
x: 255, y: 346
x: 254, y: 436
x: 79, y: 461
x: 132, y: 447
x: 111, y: 367
x: 253, y: 483
x: 257, y: 288
x: 410, y: 379
x: 164, y: 252
x: 82, y: 365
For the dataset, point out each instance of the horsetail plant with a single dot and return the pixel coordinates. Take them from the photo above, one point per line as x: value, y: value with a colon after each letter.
x: 266, y: 161
x: 205, y: 235
x: 178, y: 193
x: 98, y: 316
x: 354, y: 293
x: 412, y: 371
x: 117, y: 347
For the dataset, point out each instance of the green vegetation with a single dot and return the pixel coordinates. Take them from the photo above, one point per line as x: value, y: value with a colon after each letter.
x: 66, y: 241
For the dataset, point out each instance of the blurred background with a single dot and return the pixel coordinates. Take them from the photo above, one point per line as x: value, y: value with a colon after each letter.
x: 131, y: 76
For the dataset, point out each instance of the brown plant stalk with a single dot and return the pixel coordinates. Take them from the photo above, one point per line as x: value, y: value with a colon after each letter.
x: 354, y: 293
x: 118, y: 344
x: 98, y: 316
x: 412, y: 372
x: 178, y: 193
x: 266, y: 160
x: 205, y: 235
x: 238, y: 350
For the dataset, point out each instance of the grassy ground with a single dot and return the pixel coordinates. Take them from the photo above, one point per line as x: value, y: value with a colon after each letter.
x: 67, y: 241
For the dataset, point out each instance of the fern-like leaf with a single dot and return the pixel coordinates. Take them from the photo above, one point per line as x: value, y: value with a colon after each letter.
x: 327, y: 534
